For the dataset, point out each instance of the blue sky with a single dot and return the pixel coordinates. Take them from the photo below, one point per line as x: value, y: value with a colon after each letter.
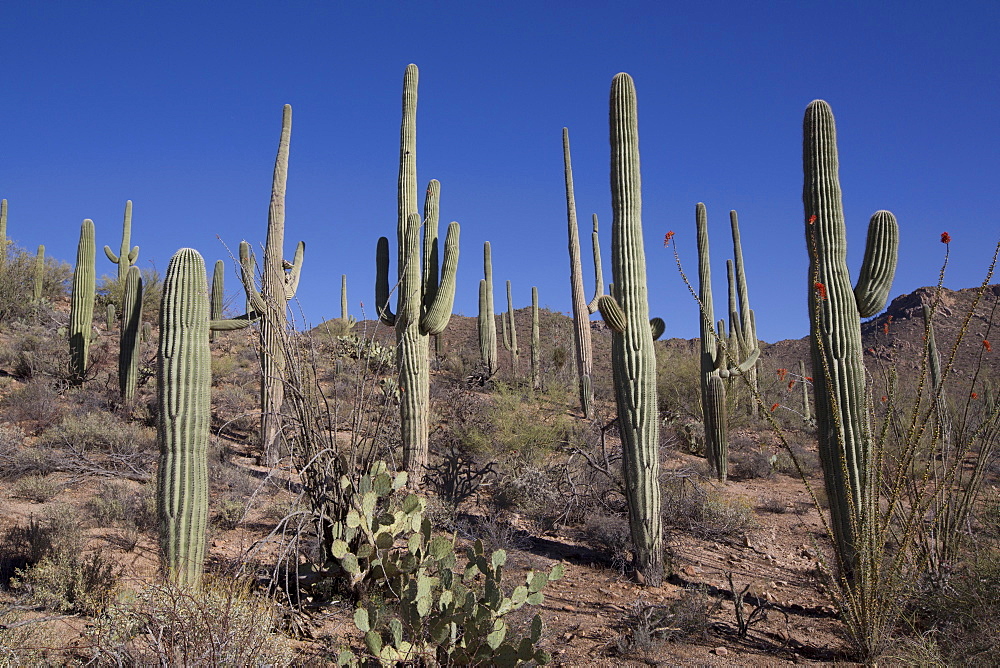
x: 177, y: 106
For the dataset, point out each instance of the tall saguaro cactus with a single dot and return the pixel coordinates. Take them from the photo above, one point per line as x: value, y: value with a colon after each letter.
x: 536, y: 364
x: 3, y: 232
x: 125, y: 258
x: 279, y: 281
x: 218, y: 294
x: 720, y: 361
x: 632, y: 358
x: 425, y: 300
x: 487, y: 323
x: 510, y: 334
x: 184, y: 382
x: 581, y: 308
x: 81, y: 309
x: 130, y: 325
x: 39, y: 278
x: 845, y: 430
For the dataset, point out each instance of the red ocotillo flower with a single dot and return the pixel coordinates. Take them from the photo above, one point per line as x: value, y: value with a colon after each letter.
x: 667, y: 237
x: 791, y: 383
x: 945, y: 238
x: 974, y: 395
x: 774, y: 407
x: 885, y: 326
x: 986, y: 344
x: 812, y: 219
x: 884, y: 398
x: 782, y: 373
x: 821, y: 289
x: 809, y: 378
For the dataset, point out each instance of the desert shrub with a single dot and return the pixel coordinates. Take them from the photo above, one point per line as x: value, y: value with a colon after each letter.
x: 23, y: 640
x: 678, y: 383
x: 689, y: 616
x: 750, y: 464
x: 703, y: 511
x: 34, y: 350
x: 807, y: 460
x: 34, y: 405
x: 612, y: 536
x: 17, y: 275
x: 102, y: 442
x: 37, y: 488
x: 109, y: 291
x: 228, y: 513
x: 530, y: 491
x: 116, y: 503
x: 158, y: 624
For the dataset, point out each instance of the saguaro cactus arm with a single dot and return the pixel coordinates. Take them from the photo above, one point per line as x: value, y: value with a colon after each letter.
x: 439, y: 312
x: 879, y: 266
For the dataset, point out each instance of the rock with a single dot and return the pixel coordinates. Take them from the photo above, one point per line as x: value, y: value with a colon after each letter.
x: 569, y: 608
x: 721, y: 651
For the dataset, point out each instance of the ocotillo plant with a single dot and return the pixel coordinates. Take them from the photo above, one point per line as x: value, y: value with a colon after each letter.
x: 39, y: 282
x: 81, y: 309
x: 510, y: 335
x: 632, y: 358
x: 218, y: 294
x: 487, y: 321
x: 129, y: 329
x: 720, y: 361
x: 278, y: 283
x: 424, y: 302
x: 184, y: 380
x: 581, y: 308
x: 125, y: 258
x: 536, y: 370
x: 845, y: 430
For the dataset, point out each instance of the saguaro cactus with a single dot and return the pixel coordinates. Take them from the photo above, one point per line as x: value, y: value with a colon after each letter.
x: 581, y: 308
x: 720, y: 361
x: 218, y: 294
x: 184, y: 380
x: 806, y: 409
x: 39, y: 282
x: 424, y: 302
x: 81, y: 309
x: 345, y: 316
x: 536, y: 370
x: 845, y: 431
x: 129, y: 330
x: 510, y: 334
x: 125, y: 258
x: 632, y: 358
x: 487, y: 321
x: 279, y: 280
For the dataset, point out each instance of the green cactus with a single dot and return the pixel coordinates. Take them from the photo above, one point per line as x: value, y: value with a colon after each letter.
x: 536, y: 347
x: 129, y: 331
x: 278, y: 283
x: 806, y: 410
x: 218, y: 294
x: 424, y: 301
x: 81, y: 310
x: 39, y: 282
x: 582, y: 310
x: 487, y: 321
x: 510, y: 334
x: 345, y: 317
x: 184, y: 380
x: 110, y: 314
x: 3, y: 232
x: 125, y: 258
x: 632, y: 357
x: 721, y: 361
x: 845, y: 430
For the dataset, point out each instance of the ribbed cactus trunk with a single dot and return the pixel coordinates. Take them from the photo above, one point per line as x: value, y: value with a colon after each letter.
x: 126, y: 256
x: 184, y: 379
x: 276, y: 287
x: 425, y: 300
x: 632, y: 356
x: 581, y: 308
x: 510, y: 335
x: 3, y: 232
x: 806, y: 408
x: 39, y: 278
x: 81, y: 310
x: 844, y: 427
x: 486, y: 321
x: 747, y: 329
x: 218, y: 294
x: 130, y: 327
x: 536, y: 353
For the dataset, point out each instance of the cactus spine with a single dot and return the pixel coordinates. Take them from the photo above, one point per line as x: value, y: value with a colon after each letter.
x: 633, y: 360
x: 581, y: 308
x: 424, y: 302
x: 536, y: 366
x: 217, y: 295
x: 719, y: 360
x: 129, y: 329
x: 39, y: 282
x: 125, y: 258
x: 81, y: 310
x: 487, y: 321
x: 845, y: 430
x: 279, y: 280
x: 510, y: 334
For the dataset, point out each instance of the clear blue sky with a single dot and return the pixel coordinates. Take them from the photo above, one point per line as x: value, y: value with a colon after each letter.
x: 177, y: 106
